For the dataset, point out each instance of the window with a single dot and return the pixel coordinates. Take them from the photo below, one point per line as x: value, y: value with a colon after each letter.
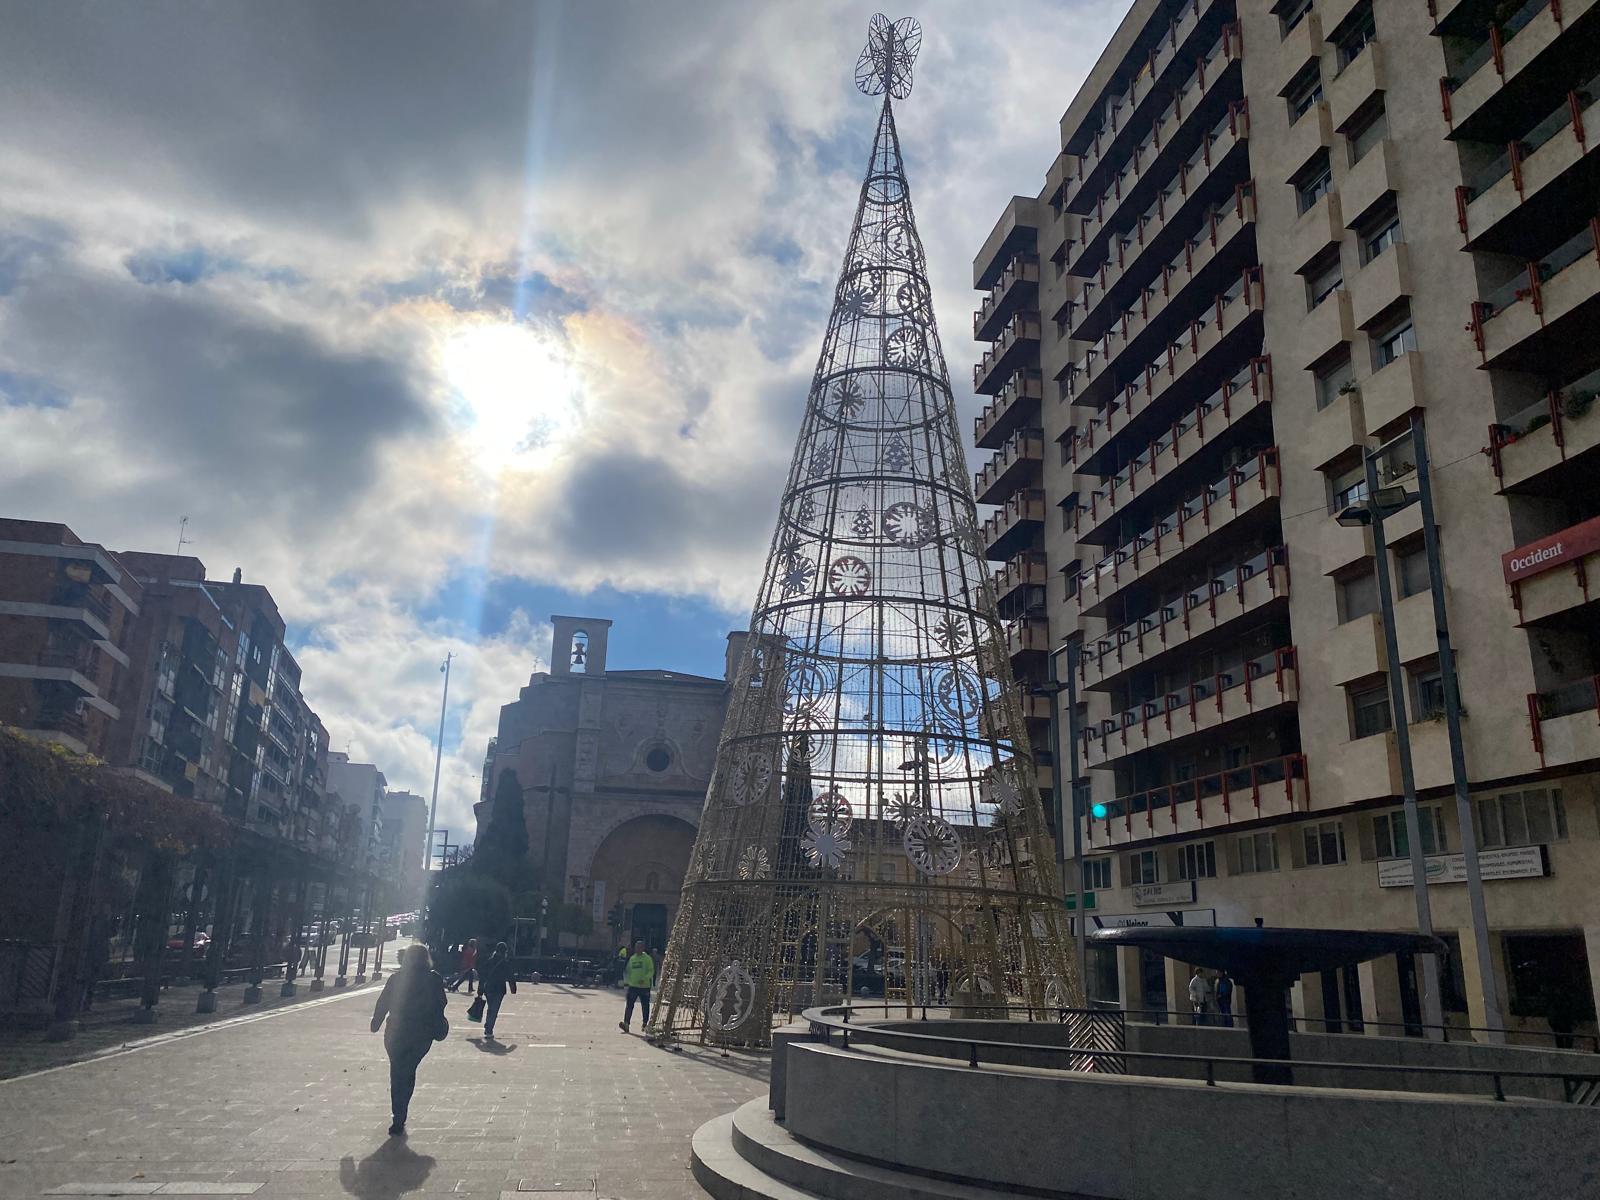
x: 1313, y: 181
x: 1323, y: 277
x: 1355, y: 33
x: 1143, y: 867
x: 1304, y: 90
x: 1346, y: 487
x: 1369, y: 710
x: 1366, y: 132
x: 1411, y: 571
x: 1394, y: 338
x: 1096, y: 874
x: 658, y: 759
x: 1258, y: 852
x: 1356, y: 595
x: 1527, y: 818
x: 1379, y: 231
x: 1427, y: 694
x: 1197, y: 860
x: 887, y: 872
x: 1069, y: 580
x: 1323, y: 842
x: 1333, y: 378
x: 1291, y: 13
x: 1389, y: 839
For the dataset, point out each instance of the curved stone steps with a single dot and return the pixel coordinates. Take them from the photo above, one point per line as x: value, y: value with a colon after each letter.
x: 747, y: 1155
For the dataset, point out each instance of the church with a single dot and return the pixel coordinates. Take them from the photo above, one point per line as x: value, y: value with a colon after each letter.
x: 613, y: 767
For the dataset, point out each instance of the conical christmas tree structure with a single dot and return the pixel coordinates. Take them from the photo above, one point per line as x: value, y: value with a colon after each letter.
x: 873, y: 823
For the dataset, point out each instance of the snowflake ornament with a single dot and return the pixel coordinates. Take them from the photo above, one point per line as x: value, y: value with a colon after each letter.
x: 951, y: 634
x: 797, y: 575
x: 830, y: 812
x: 847, y: 398
x: 908, y: 525
x: 932, y: 845
x: 904, y: 347
x: 824, y: 848
x: 849, y: 576
x: 902, y: 809
x: 755, y: 863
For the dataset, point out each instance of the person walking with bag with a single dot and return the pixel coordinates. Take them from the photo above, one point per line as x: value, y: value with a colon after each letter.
x: 494, y: 978
x: 466, y: 973
x: 412, y: 1003
x: 639, y: 975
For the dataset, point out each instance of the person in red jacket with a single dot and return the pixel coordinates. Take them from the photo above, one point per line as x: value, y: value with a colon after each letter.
x: 467, y: 972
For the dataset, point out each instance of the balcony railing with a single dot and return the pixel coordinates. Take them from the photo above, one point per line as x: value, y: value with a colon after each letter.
x: 1030, y: 568
x: 1023, y: 506
x: 1492, y: 48
x: 1002, y: 413
x: 1274, y: 670
x: 1023, y: 445
x: 1568, y: 115
x: 1554, y: 409
x: 1178, y: 527
x: 1024, y: 268
x: 1171, y: 623
x: 1242, y: 793
x: 1567, y: 700
x: 1022, y: 327
x: 1528, y: 285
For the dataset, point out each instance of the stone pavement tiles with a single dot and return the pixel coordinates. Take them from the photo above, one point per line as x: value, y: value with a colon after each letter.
x: 296, y: 1104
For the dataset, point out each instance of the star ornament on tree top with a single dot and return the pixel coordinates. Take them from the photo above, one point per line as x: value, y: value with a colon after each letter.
x: 885, y: 63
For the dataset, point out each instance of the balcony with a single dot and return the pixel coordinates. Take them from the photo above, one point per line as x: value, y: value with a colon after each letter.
x: 1172, y: 149
x: 1016, y: 232
x: 1016, y: 405
x: 1014, y: 525
x: 1198, y: 428
x: 1367, y: 182
x: 1125, y: 113
x: 1262, y: 684
x: 1019, y: 462
x: 1528, y: 322
x: 1235, y: 313
x: 1512, y: 65
x: 1565, y: 723
x: 1379, y: 285
x: 1556, y: 574
x: 1018, y: 346
x: 1275, y: 787
x: 1390, y: 393
x: 1536, y: 175
x: 1245, y: 489
x: 1027, y: 636
x: 1562, y: 426
x: 1217, y: 249
x: 1351, y: 88
x: 1017, y: 287
x: 1229, y: 596
x: 1028, y: 569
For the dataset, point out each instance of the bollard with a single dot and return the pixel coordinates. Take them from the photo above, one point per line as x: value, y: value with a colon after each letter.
x: 207, y: 1003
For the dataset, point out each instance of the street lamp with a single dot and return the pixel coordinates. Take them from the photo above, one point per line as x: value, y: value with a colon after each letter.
x: 1373, y: 510
x: 1067, y: 797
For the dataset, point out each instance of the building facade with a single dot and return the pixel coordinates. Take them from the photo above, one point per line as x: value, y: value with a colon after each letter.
x: 613, y: 767
x: 405, y: 833
x: 1272, y: 237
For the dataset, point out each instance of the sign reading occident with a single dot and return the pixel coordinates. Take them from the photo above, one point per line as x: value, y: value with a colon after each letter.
x: 1557, y: 550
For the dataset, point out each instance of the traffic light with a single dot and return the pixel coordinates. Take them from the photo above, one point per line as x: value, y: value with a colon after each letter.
x: 1098, y: 811
x: 614, y: 917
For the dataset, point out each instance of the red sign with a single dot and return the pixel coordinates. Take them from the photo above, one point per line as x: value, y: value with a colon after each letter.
x: 1557, y: 550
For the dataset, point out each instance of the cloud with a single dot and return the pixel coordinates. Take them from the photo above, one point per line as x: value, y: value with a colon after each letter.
x: 236, y: 245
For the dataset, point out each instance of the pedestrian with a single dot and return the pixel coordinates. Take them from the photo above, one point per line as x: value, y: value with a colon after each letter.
x: 498, y: 974
x: 1225, y: 999
x: 941, y: 978
x: 466, y: 972
x: 1199, y: 996
x: 639, y: 975
x: 413, y: 1003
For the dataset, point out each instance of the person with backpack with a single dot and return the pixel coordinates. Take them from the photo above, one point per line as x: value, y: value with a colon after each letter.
x: 498, y: 974
x: 639, y: 976
x: 410, y: 1011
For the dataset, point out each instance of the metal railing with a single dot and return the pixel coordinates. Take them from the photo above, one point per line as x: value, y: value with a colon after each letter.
x: 1588, y: 1043
x: 1577, y: 1087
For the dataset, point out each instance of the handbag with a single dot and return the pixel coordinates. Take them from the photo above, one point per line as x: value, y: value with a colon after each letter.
x: 441, y: 1029
x: 475, y: 1011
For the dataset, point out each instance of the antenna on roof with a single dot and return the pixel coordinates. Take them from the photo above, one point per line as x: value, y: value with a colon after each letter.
x: 183, y: 524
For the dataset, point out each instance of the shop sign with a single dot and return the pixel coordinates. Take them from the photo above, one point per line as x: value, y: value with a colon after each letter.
x: 1512, y: 862
x: 1177, y: 918
x: 1557, y: 550
x: 1163, y: 895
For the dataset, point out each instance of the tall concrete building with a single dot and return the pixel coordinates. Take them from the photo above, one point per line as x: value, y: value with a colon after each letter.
x: 1271, y: 236
x: 405, y: 833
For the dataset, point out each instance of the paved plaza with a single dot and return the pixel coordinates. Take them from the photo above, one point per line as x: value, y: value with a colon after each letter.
x: 295, y: 1103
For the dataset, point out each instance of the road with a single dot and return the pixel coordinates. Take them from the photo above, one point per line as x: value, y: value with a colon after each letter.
x: 295, y: 1103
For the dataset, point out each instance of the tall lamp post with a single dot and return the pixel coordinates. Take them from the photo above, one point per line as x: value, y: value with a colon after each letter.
x: 438, y: 761
x: 1375, y: 507
x: 1067, y: 794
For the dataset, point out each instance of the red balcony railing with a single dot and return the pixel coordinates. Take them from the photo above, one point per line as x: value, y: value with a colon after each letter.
x: 1579, y: 696
x: 1238, y: 794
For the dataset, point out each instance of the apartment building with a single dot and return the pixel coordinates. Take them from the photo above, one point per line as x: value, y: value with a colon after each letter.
x: 67, y: 612
x: 1273, y: 235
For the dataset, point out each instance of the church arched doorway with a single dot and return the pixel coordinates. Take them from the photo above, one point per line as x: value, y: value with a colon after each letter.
x: 640, y: 867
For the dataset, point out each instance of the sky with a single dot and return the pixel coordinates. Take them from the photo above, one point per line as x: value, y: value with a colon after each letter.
x: 438, y: 319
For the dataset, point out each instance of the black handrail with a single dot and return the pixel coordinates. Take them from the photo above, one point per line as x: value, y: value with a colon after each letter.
x: 1353, y: 1026
x: 1577, y: 1087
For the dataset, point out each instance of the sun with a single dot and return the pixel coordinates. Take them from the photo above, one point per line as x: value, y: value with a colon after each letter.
x: 514, y: 392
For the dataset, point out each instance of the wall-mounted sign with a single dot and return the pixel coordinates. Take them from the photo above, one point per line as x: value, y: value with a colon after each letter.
x: 1513, y: 862
x: 1558, y: 550
x: 1163, y: 895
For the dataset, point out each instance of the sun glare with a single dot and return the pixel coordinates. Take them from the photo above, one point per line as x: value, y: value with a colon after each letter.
x: 514, y: 392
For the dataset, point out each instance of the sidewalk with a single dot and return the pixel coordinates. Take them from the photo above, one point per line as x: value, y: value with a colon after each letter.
x: 294, y: 1103
x: 109, y: 1025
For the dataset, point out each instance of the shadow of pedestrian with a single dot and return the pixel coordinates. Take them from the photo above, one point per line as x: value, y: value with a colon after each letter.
x: 491, y: 1046
x: 389, y: 1172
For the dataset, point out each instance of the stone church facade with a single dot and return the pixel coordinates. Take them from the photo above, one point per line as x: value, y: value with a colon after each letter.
x: 613, y: 767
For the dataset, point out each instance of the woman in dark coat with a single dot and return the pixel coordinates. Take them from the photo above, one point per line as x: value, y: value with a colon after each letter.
x: 496, y: 975
x: 413, y: 1001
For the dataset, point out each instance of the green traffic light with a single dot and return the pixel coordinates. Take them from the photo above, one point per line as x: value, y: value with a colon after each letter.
x: 1099, y: 811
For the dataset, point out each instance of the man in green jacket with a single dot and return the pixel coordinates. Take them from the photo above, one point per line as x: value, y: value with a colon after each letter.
x: 639, y: 975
